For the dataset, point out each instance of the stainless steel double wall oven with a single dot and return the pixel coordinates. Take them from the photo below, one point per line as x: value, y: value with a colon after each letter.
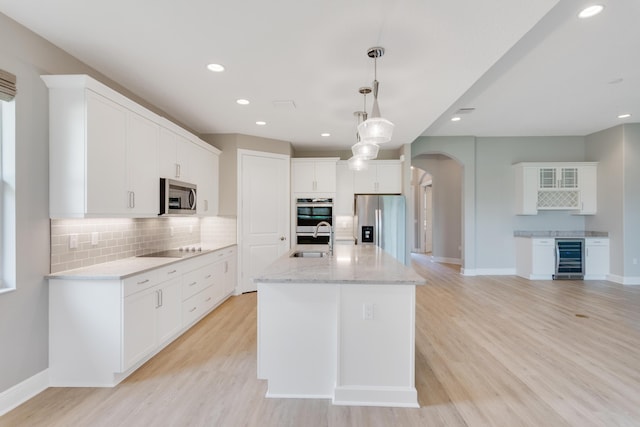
x: 309, y: 212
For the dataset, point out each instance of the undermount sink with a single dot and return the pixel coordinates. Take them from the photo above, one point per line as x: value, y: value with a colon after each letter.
x: 308, y: 254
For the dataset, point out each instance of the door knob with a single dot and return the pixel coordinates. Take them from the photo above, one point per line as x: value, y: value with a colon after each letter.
x: 282, y: 238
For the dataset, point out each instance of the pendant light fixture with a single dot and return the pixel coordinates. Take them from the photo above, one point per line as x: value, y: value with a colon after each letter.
x: 375, y: 129
x: 363, y: 149
x: 358, y: 164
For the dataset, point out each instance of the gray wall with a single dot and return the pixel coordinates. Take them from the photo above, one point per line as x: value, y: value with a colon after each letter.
x: 24, y: 313
x: 618, y: 152
x: 230, y: 144
x: 447, y: 177
x: 606, y: 148
x: 495, y: 194
x: 488, y: 192
x: 463, y: 150
x: 632, y: 200
x: 346, y: 154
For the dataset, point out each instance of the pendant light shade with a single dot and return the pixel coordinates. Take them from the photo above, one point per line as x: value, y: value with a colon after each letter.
x: 357, y: 164
x: 375, y: 130
x: 365, y: 150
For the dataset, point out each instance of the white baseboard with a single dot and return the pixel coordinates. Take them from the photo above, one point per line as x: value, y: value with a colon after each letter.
x: 402, y: 397
x: 495, y: 272
x: 20, y: 393
x: 623, y: 280
x: 446, y: 260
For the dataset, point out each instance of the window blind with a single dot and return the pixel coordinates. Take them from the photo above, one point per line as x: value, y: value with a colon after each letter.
x: 7, y: 86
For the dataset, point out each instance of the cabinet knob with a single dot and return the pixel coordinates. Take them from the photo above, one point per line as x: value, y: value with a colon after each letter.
x: 282, y: 238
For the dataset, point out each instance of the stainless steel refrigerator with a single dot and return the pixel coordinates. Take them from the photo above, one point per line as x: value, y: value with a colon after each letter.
x: 380, y: 220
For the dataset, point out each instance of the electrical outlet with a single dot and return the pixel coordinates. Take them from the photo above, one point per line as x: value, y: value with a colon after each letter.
x: 191, y: 229
x: 635, y: 261
x: 171, y: 231
x: 368, y: 311
x: 73, y: 241
x: 95, y: 238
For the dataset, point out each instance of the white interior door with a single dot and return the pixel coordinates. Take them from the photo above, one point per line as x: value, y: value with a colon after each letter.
x: 263, y: 212
x: 428, y: 219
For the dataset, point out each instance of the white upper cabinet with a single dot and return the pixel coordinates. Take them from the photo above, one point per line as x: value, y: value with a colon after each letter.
x: 343, y: 203
x: 107, y: 153
x: 142, y: 166
x: 313, y: 175
x: 556, y: 186
x: 381, y: 177
x: 207, y: 167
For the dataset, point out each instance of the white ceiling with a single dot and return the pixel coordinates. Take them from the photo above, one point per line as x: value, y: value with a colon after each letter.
x: 528, y: 67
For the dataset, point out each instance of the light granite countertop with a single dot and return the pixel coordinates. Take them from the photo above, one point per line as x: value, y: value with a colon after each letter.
x: 350, y: 264
x: 525, y: 233
x: 123, y: 268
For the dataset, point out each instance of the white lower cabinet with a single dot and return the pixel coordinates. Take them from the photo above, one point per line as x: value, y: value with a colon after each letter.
x: 101, y: 330
x: 535, y: 258
x: 596, y: 258
x: 151, y: 317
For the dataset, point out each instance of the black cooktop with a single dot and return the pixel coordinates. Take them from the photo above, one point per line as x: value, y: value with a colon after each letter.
x: 169, y: 253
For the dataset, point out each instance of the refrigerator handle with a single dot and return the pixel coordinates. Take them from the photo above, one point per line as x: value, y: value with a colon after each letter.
x: 378, y: 227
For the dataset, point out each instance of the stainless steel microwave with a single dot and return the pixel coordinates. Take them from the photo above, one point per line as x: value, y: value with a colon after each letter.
x: 177, y: 197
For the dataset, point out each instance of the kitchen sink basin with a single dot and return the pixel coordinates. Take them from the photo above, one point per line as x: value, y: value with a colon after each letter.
x: 308, y: 254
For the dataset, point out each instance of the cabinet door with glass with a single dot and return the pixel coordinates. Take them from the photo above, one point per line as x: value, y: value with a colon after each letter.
x: 558, y: 177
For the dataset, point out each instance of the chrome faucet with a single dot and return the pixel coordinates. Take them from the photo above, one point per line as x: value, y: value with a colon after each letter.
x: 315, y: 234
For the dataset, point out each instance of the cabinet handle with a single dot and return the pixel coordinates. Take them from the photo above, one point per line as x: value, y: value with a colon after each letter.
x: 161, y: 298
x: 208, y: 299
x: 157, y: 299
x: 206, y: 205
x: 143, y: 282
x: 171, y: 272
x: 193, y: 309
x: 177, y: 170
x: 226, y: 266
x: 207, y: 276
x: 191, y: 284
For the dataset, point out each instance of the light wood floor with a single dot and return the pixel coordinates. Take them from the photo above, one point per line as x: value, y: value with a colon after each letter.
x: 496, y: 350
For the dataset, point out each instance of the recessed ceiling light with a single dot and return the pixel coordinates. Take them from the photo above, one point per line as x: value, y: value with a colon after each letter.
x: 261, y: 123
x: 624, y: 116
x: 590, y: 11
x: 455, y: 119
x: 242, y: 101
x: 216, y: 68
x: 325, y: 134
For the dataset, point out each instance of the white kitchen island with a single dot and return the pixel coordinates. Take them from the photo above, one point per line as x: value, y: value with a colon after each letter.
x: 339, y: 327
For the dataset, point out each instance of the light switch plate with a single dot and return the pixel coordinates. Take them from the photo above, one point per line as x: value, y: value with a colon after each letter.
x: 73, y: 241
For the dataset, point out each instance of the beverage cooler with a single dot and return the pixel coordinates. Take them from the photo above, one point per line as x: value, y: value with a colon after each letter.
x: 569, y: 259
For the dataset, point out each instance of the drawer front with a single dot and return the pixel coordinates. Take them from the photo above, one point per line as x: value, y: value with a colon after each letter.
x: 597, y: 242
x: 192, y: 283
x: 140, y: 282
x: 170, y: 272
x: 193, y: 308
x: 544, y: 242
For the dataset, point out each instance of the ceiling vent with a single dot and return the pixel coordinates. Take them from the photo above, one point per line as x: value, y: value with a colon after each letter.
x: 464, y: 111
x: 284, y: 105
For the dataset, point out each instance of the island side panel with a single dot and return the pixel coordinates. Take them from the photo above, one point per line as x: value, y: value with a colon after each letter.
x: 376, y: 353
x: 297, y: 339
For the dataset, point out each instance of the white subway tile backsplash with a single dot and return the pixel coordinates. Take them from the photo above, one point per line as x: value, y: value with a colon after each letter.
x: 123, y: 238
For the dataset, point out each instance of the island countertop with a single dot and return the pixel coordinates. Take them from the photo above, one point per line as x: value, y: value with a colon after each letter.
x: 349, y: 264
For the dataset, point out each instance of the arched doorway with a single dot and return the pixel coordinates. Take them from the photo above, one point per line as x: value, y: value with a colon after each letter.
x: 439, y: 206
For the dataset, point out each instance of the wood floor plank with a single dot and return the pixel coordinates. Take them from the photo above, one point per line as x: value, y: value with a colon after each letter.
x: 490, y: 351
